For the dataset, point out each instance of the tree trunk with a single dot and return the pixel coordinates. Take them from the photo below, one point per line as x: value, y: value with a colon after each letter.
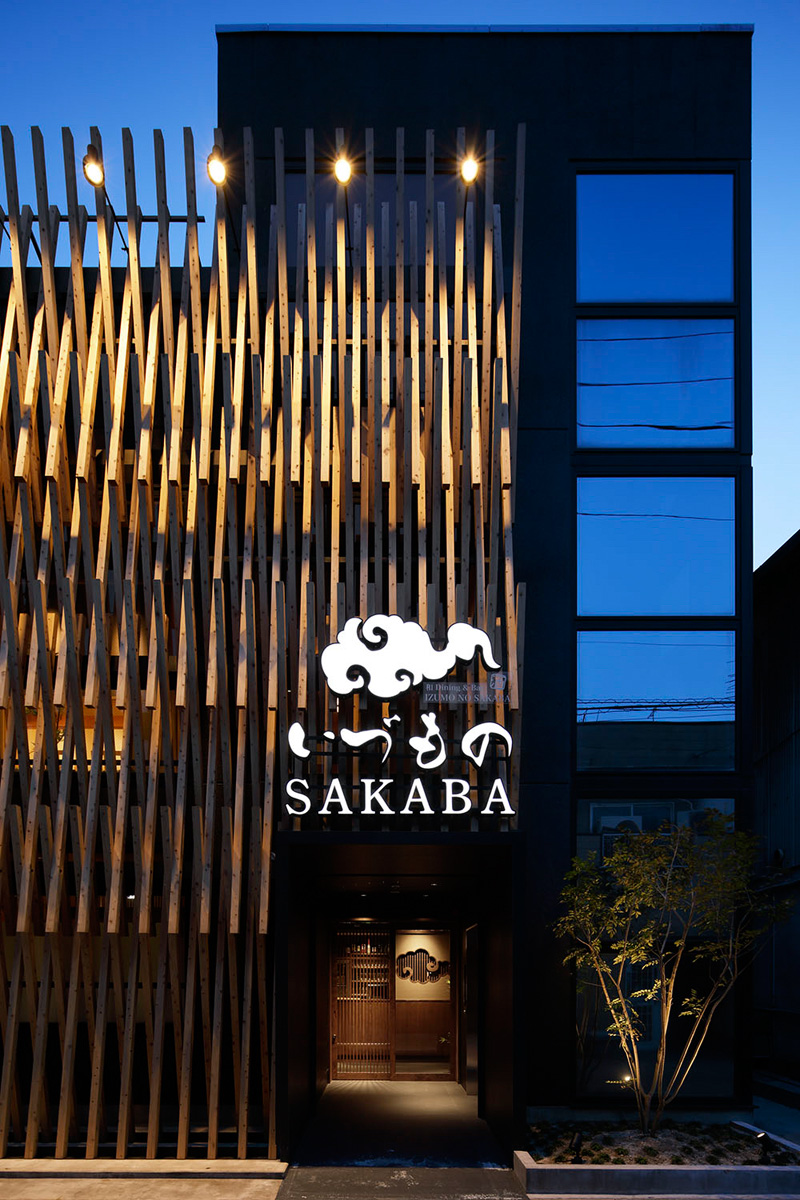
x: 644, y: 1113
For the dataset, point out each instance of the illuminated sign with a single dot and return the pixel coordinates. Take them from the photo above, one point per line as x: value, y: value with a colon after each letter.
x: 386, y: 657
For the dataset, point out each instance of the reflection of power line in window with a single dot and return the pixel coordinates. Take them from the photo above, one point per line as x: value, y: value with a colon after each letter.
x: 664, y: 337
x: 647, y: 709
x: 654, y: 425
x: 657, y: 516
x: 662, y: 702
x: 585, y: 641
x: 655, y: 382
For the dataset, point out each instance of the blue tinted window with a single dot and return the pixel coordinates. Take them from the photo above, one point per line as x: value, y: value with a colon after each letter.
x: 656, y: 675
x: 655, y: 237
x: 655, y: 382
x: 656, y: 546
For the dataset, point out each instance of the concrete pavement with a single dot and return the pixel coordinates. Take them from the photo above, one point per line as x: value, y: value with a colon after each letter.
x: 139, y: 1179
x: 252, y: 1179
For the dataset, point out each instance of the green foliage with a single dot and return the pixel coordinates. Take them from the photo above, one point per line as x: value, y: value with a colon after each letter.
x: 659, y: 901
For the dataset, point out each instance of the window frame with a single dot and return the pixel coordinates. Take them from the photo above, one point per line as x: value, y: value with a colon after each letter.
x: 732, y: 461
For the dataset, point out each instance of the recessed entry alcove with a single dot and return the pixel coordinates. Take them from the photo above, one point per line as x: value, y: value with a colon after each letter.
x: 397, y: 956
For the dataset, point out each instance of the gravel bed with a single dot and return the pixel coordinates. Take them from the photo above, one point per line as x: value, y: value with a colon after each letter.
x: 684, y: 1143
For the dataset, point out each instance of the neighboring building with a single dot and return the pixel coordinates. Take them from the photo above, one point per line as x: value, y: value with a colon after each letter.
x: 267, y: 818
x: 777, y: 741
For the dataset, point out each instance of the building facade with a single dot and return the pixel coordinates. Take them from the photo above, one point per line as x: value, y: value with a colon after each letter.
x: 355, y: 580
x: 776, y: 687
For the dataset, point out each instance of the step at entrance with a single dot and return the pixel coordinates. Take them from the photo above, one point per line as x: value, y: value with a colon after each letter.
x: 400, y: 1183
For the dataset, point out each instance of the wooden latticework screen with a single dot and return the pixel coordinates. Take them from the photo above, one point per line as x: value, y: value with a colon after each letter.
x: 362, y: 1003
x: 202, y: 476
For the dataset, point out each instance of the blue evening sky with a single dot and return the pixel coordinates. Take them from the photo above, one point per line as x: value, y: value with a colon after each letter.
x: 154, y: 65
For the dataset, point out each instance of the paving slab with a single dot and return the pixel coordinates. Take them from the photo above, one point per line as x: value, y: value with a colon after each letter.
x: 122, y: 1168
x: 399, y: 1183
x: 131, y: 1179
x: 99, y: 1188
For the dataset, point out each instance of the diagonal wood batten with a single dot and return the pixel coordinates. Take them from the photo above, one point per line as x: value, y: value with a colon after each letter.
x: 205, y: 470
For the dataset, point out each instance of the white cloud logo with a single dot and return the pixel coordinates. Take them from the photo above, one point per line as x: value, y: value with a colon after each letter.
x: 388, y: 655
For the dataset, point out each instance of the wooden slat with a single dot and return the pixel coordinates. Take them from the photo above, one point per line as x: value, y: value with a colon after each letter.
x: 516, y: 296
x: 487, y: 313
x: 19, y: 246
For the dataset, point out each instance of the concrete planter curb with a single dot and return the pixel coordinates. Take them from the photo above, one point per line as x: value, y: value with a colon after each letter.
x: 557, y: 1179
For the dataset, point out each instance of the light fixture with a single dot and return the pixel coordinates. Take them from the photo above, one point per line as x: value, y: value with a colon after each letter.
x: 93, y: 171
x: 342, y: 169
x: 469, y: 169
x: 215, y: 165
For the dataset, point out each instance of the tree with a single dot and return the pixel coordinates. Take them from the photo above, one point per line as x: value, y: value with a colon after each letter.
x: 661, y: 901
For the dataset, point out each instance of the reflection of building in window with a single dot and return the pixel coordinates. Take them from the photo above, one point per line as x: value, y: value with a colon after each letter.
x: 601, y: 824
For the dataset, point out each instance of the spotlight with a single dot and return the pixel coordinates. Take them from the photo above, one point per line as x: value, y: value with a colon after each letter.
x: 342, y: 170
x: 93, y: 168
x: 469, y: 170
x: 215, y: 165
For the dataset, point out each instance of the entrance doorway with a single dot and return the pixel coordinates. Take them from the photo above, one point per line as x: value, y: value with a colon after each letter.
x: 385, y: 952
x: 393, y: 1003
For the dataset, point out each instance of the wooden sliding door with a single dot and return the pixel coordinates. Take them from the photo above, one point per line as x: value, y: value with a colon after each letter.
x: 362, y: 1003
